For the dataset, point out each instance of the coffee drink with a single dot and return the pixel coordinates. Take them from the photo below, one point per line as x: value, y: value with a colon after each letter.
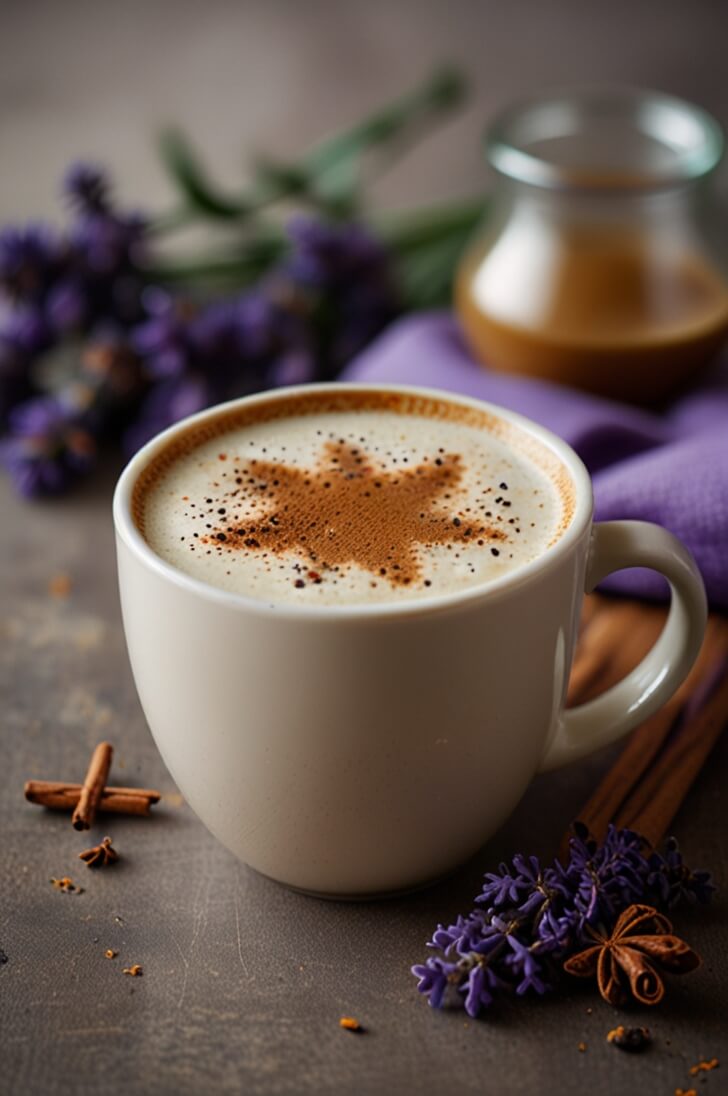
x: 352, y: 497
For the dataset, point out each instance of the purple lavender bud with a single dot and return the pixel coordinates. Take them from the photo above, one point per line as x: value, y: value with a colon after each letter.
x: 107, y: 245
x: 294, y: 367
x: 479, y: 989
x: 501, y: 888
x: 48, y: 447
x: 66, y: 307
x: 433, y: 978
x: 324, y: 254
x: 25, y: 332
x: 162, y: 344
x: 167, y: 403
x: 256, y: 319
x: 524, y: 963
x: 87, y: 185
x: 28, y: 261
x: 673, y: 883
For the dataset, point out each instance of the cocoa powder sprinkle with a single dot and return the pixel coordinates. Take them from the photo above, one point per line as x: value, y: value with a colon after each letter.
x: 328, y: 513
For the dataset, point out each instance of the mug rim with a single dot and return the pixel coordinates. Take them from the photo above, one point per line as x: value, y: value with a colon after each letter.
x: 132, y: 538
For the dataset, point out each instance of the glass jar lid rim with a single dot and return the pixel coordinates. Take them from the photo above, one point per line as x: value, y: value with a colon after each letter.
x: 685, y: 142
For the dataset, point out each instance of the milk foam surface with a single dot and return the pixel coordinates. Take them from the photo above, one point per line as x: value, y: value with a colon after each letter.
x: 350, y: 507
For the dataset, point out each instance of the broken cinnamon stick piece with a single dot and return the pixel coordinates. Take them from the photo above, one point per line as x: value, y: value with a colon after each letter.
x: 61, y: 796
x: 93, y: 787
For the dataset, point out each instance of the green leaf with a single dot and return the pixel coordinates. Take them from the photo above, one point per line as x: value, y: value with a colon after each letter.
x: 184, y: 166
x: 334, y: 166
x: 330, y: 177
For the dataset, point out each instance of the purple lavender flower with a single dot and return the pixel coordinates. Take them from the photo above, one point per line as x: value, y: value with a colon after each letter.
x: 107, y: 245
x: 502, y: 888
x: 606, y: 877
x: 196, y: 356
x: 326, y: 255
x: 29, y: 260
x: 48, y: 447
x: 153, y: 358
x: 338, y: 274
x: 434, y: 977
x: 87, y: 185
x: 526, y: 966
x: 162, y: 344
x: 167, y: 402
x: 672, y: 882
x: 556, y: 929
x: 479, y: 988
x: 463, y: 936
x: 66, y: 306
x: 293, y: 367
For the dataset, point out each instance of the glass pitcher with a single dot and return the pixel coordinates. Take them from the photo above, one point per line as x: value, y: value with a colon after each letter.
x: 598, y: 264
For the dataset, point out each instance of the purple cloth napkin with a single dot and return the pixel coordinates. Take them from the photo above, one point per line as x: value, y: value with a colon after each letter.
x: 671, y: 467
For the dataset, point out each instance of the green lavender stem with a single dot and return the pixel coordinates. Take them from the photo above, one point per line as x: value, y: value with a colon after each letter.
x: 329, y: 177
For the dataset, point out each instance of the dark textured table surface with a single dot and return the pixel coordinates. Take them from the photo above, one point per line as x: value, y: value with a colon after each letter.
x: 244, y: 982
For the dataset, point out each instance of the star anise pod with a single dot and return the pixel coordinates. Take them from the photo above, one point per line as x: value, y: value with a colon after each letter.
x: 100, y: 856
x: 631, y: 960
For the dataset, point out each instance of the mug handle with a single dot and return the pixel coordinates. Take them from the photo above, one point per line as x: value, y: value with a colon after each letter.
x: 614, y: 546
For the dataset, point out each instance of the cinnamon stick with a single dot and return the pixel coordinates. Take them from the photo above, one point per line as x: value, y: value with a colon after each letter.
x: 93, y: 786
x: 645, y: 744
x: 58, y: 795
x: 645, y: 787
x: 657, y: 797
x: 616, y: 636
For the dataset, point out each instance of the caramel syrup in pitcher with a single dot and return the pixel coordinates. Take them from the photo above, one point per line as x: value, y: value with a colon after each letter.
x: 601, y: 308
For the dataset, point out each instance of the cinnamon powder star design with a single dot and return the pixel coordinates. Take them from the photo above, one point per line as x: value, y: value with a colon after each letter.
x: 348, y: 511
x: 631, y: 959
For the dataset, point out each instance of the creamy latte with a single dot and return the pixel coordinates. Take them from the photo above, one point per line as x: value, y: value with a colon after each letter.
x: 351, y: 497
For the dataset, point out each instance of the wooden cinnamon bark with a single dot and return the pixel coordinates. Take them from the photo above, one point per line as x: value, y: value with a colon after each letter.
x: 649, y: 780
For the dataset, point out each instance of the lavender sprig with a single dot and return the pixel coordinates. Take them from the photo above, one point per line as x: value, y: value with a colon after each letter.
x: 138, y: 344
x: 531, y: 918
x: 328, y: 297
x: 146, y: 357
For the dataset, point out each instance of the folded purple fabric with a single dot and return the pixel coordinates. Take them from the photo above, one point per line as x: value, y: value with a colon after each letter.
x: 671, y: 467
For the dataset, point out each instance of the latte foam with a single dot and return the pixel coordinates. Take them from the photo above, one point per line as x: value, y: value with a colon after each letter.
x: 353, y: 497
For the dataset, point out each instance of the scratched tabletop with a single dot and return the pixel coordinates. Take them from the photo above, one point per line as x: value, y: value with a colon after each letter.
x: 244, y: 981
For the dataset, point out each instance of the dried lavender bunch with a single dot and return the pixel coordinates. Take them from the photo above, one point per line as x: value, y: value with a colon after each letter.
x: 144, y: 357
x: 71, y: 298
x: 104, y: 337
x: 322, y: 303
x: 533, y: 917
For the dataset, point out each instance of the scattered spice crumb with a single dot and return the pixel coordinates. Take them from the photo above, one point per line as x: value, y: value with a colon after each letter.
x: 110, y: 953
x: 629, y: 1038
x: 66, y: 885
x: 59, y: 585
x: 350, y: 1024
x: 685, y: 1092
x: 100, y: 856
x: 704, y: 1067
x: 589, y: 1011
x: 135, y: 971
x: 581, y: 1048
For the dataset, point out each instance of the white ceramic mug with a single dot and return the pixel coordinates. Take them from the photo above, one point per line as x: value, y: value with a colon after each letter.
x: 355, y: 750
